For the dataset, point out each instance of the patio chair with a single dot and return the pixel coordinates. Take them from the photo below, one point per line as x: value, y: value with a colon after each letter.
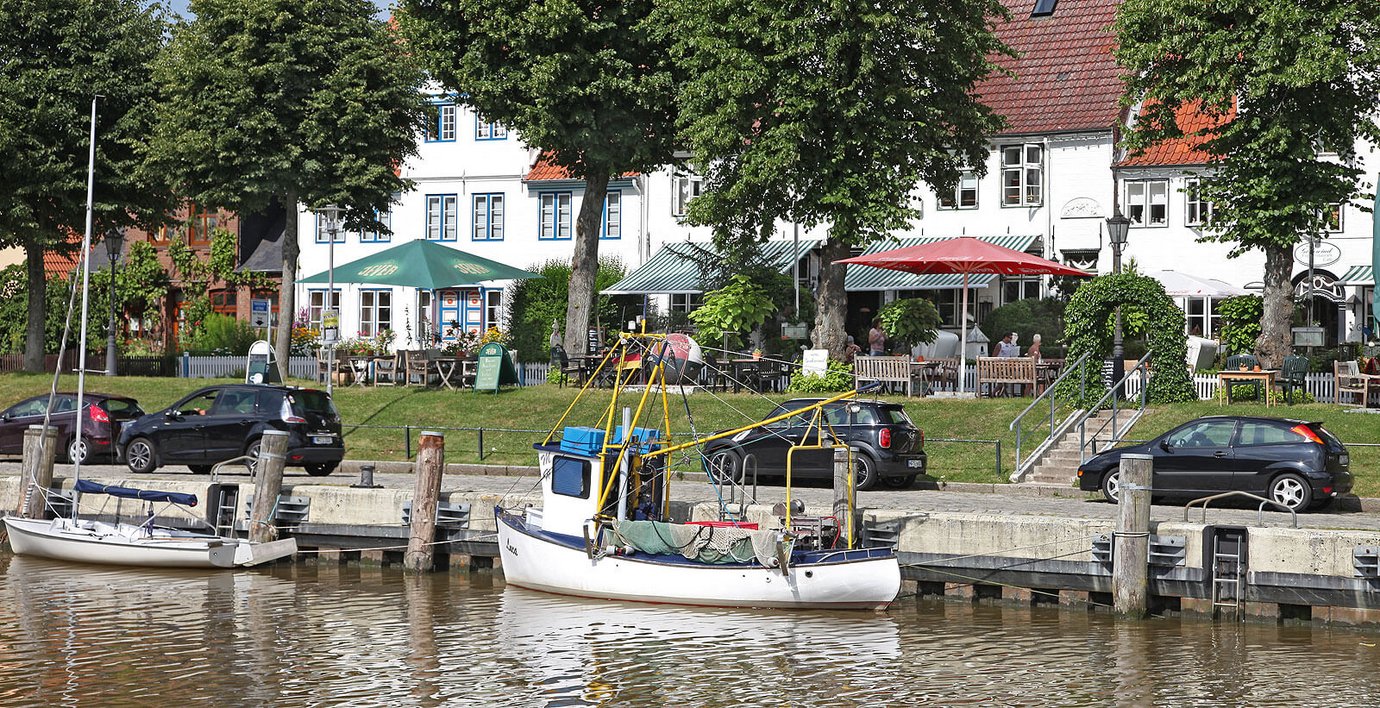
x: 418, y: 368
x: 1292, y: 377
x: 1349, y: 382
x: 1234, y: 363
x: 386, y: 370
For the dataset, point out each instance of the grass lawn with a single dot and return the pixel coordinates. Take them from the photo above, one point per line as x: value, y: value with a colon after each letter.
x: 959, y: 433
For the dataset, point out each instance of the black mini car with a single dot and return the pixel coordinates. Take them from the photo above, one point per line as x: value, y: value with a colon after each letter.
x: 1295, y: 463
x: 887, y: 447
x: 223, y: 422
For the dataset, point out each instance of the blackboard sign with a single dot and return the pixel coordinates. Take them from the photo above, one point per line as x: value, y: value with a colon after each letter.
x: 495, y: 368
x: 595, y: 340
x: 1112, y: 372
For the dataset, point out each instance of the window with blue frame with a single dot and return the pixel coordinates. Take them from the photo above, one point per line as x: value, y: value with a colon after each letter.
x: 555, y: 216
x: 612, y: 226
x: 384, y: 217
x: 440, y: 126
x: 488, y: 217
x: 440, y: 217
x: 570, y: 477
x: 323, y: 236
x: 484, y: 130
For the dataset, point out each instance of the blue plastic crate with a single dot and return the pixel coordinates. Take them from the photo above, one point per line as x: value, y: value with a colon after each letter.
x: 642, y: 438
x: 582, y: 440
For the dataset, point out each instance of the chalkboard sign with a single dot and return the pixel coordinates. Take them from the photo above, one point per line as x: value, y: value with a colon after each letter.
x: 1112, y: 373
x: 595, y: 340
x: 495, y: 368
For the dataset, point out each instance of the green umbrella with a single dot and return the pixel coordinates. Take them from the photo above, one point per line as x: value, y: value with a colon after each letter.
x: 422, y: 264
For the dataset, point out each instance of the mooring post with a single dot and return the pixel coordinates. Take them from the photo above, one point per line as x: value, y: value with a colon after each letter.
x: 40, y: 451
x: 844, y: 492
x: 268, y: 484
x: 431, y: 454
x: 1131, y: 556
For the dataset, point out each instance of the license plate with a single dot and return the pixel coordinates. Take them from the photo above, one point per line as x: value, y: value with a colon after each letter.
x: 323, y: 439
x: 914, y: 464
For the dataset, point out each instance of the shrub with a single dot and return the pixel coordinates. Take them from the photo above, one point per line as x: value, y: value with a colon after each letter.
x: 838, y: 377
x: 738, y: 307
x: 223, y: 334
x: 536, y: 302
x: 1241, y: 323
x: 910, y: 321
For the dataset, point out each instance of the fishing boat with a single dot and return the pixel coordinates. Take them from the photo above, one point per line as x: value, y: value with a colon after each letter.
x: 605, y: 528
x: 95, y: 541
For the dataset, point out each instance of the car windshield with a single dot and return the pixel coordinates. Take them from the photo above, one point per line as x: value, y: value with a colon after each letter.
x: 317, y: 402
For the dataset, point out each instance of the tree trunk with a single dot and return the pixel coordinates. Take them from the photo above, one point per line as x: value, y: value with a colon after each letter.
x: 1274, y: 342
x: 34, y: 335
x: 584, y: 265
x: 831, y: 302
x: 287, y: 301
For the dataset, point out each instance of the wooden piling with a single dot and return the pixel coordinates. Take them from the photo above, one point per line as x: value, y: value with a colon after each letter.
x: 845, y: 491
x: 40, y: 451
x: 1131, y: 557
x: 431, y: 457
x: 268, y: 484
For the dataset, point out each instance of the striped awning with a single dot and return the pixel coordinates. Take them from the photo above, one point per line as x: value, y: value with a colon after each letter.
x: 673, y: 269
x: 865, y: 278
x: 1358, y: 275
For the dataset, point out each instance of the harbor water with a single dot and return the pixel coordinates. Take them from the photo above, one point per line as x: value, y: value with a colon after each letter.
x: 310, y: 634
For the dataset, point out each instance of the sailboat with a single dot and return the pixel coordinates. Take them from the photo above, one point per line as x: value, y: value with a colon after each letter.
x: 604, y: 529
x: 118, y: 543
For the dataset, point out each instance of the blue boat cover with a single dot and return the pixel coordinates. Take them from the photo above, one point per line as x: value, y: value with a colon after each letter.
x: 86, y: 486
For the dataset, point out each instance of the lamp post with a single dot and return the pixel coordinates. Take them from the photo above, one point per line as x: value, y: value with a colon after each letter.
x: 1118, y: 226
x: 114, y: 242
x: 329, y: 215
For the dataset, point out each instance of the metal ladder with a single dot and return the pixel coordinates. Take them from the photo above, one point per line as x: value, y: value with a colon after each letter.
x: 227, y: 498
x: 1228, y: 569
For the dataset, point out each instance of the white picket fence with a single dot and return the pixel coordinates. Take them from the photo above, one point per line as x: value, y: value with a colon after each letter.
x: 1319, y: 385
x: 304, y: 367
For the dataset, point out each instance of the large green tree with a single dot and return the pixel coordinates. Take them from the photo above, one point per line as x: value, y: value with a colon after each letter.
x: 287, y: 102
x: 585, y: 80
x: 57, y: 56
x: 1286, y: 81
x: 830, y: 112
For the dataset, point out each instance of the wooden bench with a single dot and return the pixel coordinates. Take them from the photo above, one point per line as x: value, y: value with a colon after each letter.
x: 1350, y: 382
x: 882, y: 369
x: 997, y: 372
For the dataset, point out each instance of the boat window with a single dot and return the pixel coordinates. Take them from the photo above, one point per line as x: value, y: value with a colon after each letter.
x: 570, y: 477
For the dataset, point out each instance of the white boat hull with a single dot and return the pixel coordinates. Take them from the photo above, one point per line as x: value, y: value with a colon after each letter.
x: 126, y: 544
x: 538, y: 563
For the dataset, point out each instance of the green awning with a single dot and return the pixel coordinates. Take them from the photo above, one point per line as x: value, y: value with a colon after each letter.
x: 867, y: 278
x: 421, y: 264
x: 1358, y: 275
x: 673, y: 270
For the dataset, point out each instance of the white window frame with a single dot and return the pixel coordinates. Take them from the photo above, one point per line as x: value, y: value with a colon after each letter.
x: 1196, y: 211
x: 489, y: 130
x: 493, y: 308
x: 1022, y: 170
x: 375, y: 311
x: 1028, y: 287
x: 316, y: 305
x: 442, y: 126
x: 324, y: 236
x: 440, y: 217
x: 684, y: 187
x: 686, y: 302
x: 555, y: 211
x: 1339, y: 225
x: 488, y: 217
x: 967, y: 185
x: 1141, y: 205
x: 611, y: 225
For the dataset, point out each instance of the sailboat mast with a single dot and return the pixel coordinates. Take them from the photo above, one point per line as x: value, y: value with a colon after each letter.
x: 85, y: 295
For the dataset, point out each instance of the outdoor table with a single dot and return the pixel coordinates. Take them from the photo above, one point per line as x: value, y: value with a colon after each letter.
x: 445, y: 369
x: 924, y: 372
x: 585, y: 366
x: 359, y: 367
x: 1046, y: 372
x: 746, y: 374
x: 1266, y: 376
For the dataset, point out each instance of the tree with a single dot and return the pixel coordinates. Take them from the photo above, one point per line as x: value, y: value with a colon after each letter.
x: 830, y: 112
x: 58, y: 55
x: 1281, y: 82
x: 538, y: 302
x: 585, y: 80
x: 737, y: 308
x: 910, y: 321
x: 287, y: 102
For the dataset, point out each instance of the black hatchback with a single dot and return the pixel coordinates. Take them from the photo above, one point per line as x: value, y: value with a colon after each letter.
x: 1292, y: 462
x: 887, y: 447
x: 223, y: 422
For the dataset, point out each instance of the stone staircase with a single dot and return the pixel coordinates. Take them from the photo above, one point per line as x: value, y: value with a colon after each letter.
x: 1059, y: 463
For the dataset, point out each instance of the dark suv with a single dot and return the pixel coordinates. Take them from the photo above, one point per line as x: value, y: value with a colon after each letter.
x: 887, y: 447
x: 222, y: 422
x: 104, y: 415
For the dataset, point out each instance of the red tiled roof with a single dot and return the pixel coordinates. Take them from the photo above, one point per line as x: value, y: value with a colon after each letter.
x: 62, y: 263
x: 1181, y: 151
x: 1065, y: 76
x: 546, y: 170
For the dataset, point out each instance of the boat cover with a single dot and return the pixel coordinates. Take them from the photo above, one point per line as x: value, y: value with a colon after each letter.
x: 706, y: 544
x: 86, y: 486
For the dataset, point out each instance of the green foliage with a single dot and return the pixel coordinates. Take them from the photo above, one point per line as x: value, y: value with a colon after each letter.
x: 736, y: 308
x: 222, y: 334
x: 1088, y: 323
x: 1240, y: 323
x: 536, y: 303
x: 910, y: 321
x: 838, y: 377
x: 1027, y: 318
x: 142, y: 283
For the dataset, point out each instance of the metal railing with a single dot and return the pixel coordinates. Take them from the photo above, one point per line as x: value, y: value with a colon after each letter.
x: 1260, y: 511
x: 1112, y: 396
x: 1056, y: 427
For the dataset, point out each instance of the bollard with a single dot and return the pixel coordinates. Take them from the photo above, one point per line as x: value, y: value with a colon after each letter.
x: 40, y: 451
x: 366, y: 478
x: 844, y: 493
x: 1131, y: 554
x: 268, y: 484
x: 431, y: 454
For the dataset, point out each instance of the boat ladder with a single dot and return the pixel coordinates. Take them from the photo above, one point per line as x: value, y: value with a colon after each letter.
x: 227, y: 498
x: 1228, y: 569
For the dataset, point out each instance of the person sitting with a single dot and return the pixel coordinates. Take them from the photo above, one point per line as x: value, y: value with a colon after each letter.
x: 851, y: 350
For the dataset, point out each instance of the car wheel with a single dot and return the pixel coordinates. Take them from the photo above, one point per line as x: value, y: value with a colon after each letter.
x: 77, y: 448
x: 141, y: 456
x: 200, y: 469
x: 321, y: 469
x: 252, y: 452
x: 724, y: 467
x: 1111, y: 486
x: 1292, y: 491
x: 864, y: 471
x: 899, y: 482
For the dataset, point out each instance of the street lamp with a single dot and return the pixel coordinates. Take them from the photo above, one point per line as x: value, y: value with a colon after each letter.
x: 1118, y: 226
x: 329, y: 214
x: 114, y: 242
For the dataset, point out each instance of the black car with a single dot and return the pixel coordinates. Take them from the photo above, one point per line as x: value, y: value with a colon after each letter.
x: 1293, y: 462
x: 887, y: 447
x: 99, y: 428
x: 223, y: 422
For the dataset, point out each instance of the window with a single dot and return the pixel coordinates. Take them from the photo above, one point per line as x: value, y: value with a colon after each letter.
x: 201, y: 226
x: 323, y: 236
x: 160, y: 235
x: 1043, y: 8
x: 224, y: 301
x: 1207, y: 433
x: 570, y: 477
x: 1147, y: 202
x: 684, y: 187
x: 1022, y: 174
x: 964, y: 195
x: 555, y: 216
x: 1014, y: 289
x: 493, y: 308
x: 685, y: 302
x: 1196, y: 211
x: 488, y: 217
x: 1332, y: 218
x: 384, y: 217
x: 612, y: 227
x: 375, y: 312
x: 316, y: 305
x: 488, y: 131
x: 440, y: 217
x: 426, y: 332
x: 440, y: 126
x: 1262, y: 433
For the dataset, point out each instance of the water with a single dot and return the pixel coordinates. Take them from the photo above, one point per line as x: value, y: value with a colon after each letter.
x: 329, y: 635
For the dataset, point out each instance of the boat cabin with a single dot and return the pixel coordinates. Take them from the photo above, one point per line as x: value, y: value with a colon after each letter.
x: 575, y: 478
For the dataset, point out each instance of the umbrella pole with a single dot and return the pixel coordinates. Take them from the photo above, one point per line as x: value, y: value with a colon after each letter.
x: 963, y: 338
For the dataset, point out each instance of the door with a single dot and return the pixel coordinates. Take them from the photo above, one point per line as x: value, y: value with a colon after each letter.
x: 16, y: 419
x: 182, y: 437
x: 1196, y: 458
x: 228, y: 423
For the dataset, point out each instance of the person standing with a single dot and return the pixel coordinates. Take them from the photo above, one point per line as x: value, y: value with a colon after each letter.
x: 1034, y: 351
x: 1005, y: 347
x: 876, y: 339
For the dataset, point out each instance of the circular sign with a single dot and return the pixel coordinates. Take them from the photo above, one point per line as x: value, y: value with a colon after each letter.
x: 1325, y: 253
